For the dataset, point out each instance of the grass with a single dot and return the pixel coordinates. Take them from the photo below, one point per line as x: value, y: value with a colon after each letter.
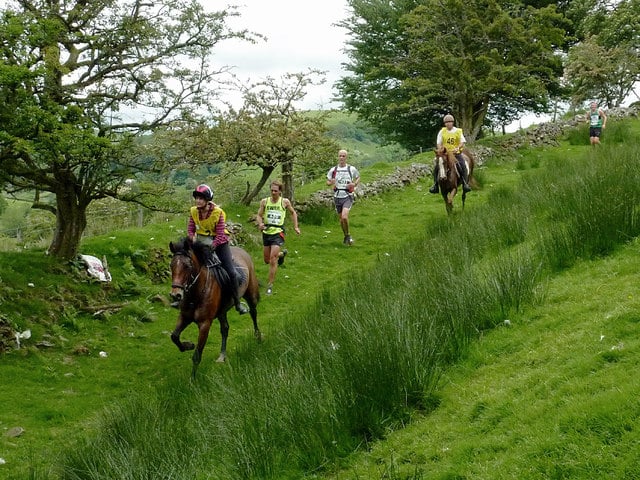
x: 550, y: 395
x: 348, y: 355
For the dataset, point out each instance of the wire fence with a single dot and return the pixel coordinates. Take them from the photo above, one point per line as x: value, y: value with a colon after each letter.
x: 101, y: 219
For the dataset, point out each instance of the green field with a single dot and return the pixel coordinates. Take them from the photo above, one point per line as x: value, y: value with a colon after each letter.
x: 497, y: 343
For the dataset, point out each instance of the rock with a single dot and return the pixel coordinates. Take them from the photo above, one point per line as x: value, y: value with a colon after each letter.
x: 14, y: 432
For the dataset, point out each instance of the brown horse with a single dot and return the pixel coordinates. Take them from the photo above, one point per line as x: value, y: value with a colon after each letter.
x: 449, y: 179
x: 201, y: 288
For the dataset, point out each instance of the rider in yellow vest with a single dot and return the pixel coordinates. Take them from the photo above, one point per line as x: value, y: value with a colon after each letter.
x: 452, y: 138
x: 271, y: 215
x: 207, y: 224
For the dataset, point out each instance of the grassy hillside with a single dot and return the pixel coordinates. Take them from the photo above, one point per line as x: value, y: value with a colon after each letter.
x: 57, y: 391
x: 551, y: 394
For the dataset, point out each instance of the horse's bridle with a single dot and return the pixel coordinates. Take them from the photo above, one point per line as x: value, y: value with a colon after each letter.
x: 194, y: 279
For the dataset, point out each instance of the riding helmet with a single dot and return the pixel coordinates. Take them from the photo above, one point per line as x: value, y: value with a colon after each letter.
x: 203, y: 191
x: 448, y: 118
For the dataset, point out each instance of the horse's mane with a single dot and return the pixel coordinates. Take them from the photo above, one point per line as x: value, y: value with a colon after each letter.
x: 445, y: 151
x: 204, y: 255
x: 201, y: 251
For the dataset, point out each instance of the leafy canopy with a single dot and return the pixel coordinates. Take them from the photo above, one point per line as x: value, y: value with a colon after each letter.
x: 412, y: 62
x: 80, y: 80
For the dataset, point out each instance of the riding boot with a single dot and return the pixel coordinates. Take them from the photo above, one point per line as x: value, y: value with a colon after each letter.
x: 240, y: 307
x: 465, y: 181
x: 224, y: 254
x: 434, y: 188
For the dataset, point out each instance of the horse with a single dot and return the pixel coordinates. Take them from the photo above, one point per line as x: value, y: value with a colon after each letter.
x: 201, y: 289
x: 449, y: 179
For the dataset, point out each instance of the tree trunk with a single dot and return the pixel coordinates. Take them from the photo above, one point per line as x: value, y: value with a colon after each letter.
x: 287, y: 179
x: 266, y: 173
x: 71, y: 220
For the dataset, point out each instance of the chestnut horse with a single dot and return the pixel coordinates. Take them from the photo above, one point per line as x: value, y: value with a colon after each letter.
x: 449, y: 179
x: 201, y: 288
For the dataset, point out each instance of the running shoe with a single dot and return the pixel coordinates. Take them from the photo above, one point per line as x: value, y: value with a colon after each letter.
x: 283, y: 254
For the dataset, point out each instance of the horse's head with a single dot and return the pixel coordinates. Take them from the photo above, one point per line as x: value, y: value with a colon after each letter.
x: 183, y: 270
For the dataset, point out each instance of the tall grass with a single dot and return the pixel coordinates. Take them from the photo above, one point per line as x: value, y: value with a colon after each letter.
x: 370, y: 351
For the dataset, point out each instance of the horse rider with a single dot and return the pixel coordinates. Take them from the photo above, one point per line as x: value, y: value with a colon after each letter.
x: 207, y: 224
x: 453, y: 139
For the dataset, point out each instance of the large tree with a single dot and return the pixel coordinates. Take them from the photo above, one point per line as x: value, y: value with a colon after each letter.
x: 374, y: 88
x: 449, y: 56
x: 80, y: 79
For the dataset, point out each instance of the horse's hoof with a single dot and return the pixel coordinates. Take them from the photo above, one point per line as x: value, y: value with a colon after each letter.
x: 188, y: 346
x: 221, y: 359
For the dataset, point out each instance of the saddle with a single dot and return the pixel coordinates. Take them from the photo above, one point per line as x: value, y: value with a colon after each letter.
x: 213, y: 261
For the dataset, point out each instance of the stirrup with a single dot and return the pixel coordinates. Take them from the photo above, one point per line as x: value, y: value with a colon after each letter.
x: 241, y: 308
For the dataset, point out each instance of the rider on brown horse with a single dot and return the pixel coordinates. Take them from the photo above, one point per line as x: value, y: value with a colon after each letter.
x: 453, y: 139
x: 207, y: 223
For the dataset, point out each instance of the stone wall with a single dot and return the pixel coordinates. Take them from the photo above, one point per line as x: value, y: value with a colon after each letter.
x: 400, y: 178
x: 544, y: 134
x: 549, y: 133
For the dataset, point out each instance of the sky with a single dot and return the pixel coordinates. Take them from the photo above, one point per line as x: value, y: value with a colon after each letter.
x: 300, y: 35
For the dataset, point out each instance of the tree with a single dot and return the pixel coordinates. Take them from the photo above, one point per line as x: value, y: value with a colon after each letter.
x: 80, y: 80
x: 269, y: 131
x: 450, y: 57
x: 374, y: 90
x: 606, y: 64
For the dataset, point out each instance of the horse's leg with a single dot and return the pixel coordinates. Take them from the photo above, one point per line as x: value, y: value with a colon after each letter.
x: 254, y: 317
x: 224, y: 333
x: 252, y: 295
x: 203, y: 335
x: 175, y: 335
x: 449, y: 200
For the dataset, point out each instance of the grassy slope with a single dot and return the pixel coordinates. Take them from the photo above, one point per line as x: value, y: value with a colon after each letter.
x: 552, y: 395
x: 52, y: 394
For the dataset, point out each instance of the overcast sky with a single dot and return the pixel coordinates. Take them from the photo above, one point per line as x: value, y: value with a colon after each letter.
x: 300, y: 35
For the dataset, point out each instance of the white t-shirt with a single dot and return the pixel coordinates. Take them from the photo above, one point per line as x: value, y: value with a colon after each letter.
x: 343, y: 175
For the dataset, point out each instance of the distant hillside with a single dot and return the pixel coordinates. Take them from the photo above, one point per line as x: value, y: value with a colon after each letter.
x: 357, y: 137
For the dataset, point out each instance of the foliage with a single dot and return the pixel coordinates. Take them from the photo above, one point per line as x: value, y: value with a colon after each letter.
x: 74, y: 81
x: 601, y: 73
x: 270, y: 131
x: 267, y: 132
x: 480, y: 55
x: 605, y: 65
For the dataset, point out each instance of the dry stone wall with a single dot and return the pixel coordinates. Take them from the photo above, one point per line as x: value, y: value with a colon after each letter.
x: 544, y: 134
x: 400, y: 178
